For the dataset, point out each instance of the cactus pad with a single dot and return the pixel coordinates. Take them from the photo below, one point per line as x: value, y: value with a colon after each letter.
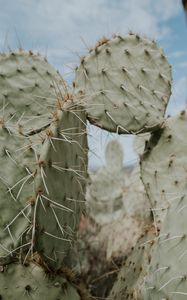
x: 43, y: 160
x: 29, y: 88
x: 24, y: 282
x: 124, y: 84
x: 166, y: 278
x: 164, y: 164
x: 131, y: 276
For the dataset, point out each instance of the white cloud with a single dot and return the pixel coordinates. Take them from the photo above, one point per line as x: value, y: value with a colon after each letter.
x: 177, y: 54
x: 59, y: 24
x: 166, y: 9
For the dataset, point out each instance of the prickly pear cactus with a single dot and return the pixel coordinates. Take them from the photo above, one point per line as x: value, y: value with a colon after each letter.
x: 124, y: 83
x: 166, y: 278
x: 167, y: 164
x: 105, y: 191
x: 164, y: 164
x: 131, y: 276
x: 43, y: 162
x: 23, y: 282
x: 60, y: 191
x: 29, y: 88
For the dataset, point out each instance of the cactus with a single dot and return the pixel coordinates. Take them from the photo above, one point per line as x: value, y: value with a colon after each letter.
x: 124, y: 84
x: 166, y: 278
x: 29, y: 89
x: 31, y: 281
x: 131, y: 276
x: 167, y: 164
x: 62, y: 198
x: 105, y: 191
x: 43, y: 165
x: 163, y: 165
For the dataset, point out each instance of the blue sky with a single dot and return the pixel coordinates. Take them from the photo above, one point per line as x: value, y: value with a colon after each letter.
x: 64, y: 29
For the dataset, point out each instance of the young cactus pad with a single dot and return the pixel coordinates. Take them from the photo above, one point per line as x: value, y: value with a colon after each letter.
x: 124, y: 84
x: 31, y: 282
x: 43, y: 165
x: 164, y: 165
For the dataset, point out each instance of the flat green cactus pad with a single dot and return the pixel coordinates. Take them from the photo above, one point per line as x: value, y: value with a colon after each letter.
x: 131, y: 276
x: 31, y: 282
x: 164, y: 165
x: 43, y: 153
x: 124, y: 84
x: 167, y: 278
x: 42, y: 183
x: 61, y: 187
x: 29, y: 87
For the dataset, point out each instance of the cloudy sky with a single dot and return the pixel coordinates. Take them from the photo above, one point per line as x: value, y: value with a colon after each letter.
x: 64, y: 29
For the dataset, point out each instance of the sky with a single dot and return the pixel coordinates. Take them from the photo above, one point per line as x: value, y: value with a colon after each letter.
x: 63, y: 30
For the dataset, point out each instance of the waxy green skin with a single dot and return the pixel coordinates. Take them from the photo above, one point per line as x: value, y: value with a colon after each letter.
x: 23, y: 282
x: 166, y: 278
x: 29, y: 89
x: 124, y: 84
x: 167, y: 271
x: 50, y: 187
x: 164, y: 164
x: 43, y: 161
x: 131, y: 276
x: 61, y: 198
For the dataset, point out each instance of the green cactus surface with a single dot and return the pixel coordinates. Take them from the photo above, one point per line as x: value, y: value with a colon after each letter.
x: 124, y: 84
x: 29, y: 89
x: 167, y: 278
x: 164, y: 174
x: 60, y: 196
x: 31, y: 282
x: 164, y: 164
x: 131, y: 276
x: 43, y: 161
